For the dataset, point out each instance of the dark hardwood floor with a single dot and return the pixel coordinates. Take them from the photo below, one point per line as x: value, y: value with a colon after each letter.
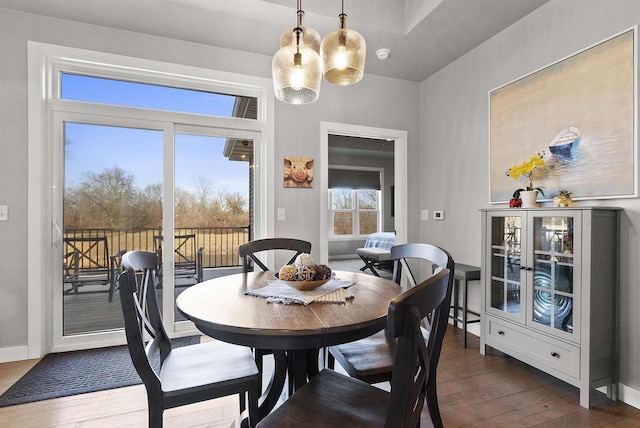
x: 473, y: 390
x: 498, y: 391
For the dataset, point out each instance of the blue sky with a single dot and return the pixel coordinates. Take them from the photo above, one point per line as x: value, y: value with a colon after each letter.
x: 95, y: 148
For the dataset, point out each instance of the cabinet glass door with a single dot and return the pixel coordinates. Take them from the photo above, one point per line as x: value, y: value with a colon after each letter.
x: 553, y: 279
x: 506, y: 278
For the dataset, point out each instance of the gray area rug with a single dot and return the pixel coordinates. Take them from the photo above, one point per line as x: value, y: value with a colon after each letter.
x: 78, y: 372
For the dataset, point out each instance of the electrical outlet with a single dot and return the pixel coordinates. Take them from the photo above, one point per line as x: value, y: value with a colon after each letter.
x: 438, y: 215
x: 281, y: 215
x: 4, y: 213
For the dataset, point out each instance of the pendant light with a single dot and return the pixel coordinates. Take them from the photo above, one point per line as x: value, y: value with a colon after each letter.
x: 296, y: 67
x: 310, y: 37
x: 343, y: 53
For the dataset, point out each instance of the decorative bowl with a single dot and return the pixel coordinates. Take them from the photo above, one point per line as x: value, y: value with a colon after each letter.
x: 304, y: 285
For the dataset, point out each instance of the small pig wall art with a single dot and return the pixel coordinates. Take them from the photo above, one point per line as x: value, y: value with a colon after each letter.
x: 298, y: 172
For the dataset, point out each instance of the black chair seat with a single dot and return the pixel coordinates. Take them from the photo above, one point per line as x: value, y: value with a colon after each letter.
x: 369, y: 359
x: 332, y: 400
x: 191, y: 368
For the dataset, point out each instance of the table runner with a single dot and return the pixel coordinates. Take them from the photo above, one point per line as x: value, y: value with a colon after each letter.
x: 333, y: 291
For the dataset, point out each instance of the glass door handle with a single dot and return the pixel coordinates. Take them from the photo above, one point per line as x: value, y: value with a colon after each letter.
x: 56, y: 233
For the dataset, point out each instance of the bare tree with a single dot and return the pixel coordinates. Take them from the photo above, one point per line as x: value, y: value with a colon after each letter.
x: 109, y: 199
x: 102, y: 199
x: 204, y: 189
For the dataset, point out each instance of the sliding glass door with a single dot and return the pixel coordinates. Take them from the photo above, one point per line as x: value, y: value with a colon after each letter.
x: 212, y: 210
x: 107, y: 198
x: 127, y: 154
x: 114, y: 175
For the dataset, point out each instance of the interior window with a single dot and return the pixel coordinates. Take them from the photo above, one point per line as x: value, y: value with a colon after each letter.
x: 354, y: 211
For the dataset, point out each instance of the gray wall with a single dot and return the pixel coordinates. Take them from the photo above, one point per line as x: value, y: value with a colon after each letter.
x: 375, y: 101
x: 454, y: 135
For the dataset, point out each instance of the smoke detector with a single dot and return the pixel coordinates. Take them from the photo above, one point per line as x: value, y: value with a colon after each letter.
x: 383, y: 53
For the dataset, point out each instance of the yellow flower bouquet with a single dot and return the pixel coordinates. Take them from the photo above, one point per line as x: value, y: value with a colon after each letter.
x: 527, y: 169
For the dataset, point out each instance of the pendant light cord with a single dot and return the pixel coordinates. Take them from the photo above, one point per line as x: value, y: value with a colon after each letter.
x: 300, y: 13
x: 342, y: 17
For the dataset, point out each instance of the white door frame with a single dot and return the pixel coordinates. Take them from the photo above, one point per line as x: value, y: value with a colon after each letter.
x: 45, y: 61
x: 400, y: 177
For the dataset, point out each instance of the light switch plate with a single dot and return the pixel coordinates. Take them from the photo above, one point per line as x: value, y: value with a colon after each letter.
x: 281, y: 213
x: 4, y: 213
x: 438, y: 215
x: 424, y: 214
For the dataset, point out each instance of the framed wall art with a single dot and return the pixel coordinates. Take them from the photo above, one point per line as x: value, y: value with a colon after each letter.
x: 580, y: 113
x: 298, y: 172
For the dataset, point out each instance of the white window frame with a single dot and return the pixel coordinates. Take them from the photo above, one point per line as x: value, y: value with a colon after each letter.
x: 45, y: 62
x: 355, y: 210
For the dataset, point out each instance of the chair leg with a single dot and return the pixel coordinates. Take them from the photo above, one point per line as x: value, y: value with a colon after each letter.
x: 330, y: 359
x: 432, y: 402
x: 254, y: 413
x: 257, y: 356
x: 243, y: 401
x: 155, y: 414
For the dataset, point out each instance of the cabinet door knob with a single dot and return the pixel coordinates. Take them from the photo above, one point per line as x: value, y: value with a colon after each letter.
x: 555, y: 354
x: 501, y: 333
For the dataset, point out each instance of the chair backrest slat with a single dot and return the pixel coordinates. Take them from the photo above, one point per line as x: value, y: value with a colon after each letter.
x: 142, y: 314
x: 247, y: 251
x: 412, y: 366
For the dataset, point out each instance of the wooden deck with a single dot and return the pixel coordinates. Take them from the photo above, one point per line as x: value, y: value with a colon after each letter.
x: 90, y: 309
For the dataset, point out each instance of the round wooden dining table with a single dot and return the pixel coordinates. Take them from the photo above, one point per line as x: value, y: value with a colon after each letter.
x: 295, y: 333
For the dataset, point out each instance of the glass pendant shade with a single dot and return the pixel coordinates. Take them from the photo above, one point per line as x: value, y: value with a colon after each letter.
x: 310, y: 37
x: 297, y: 71
x: 343, y: 52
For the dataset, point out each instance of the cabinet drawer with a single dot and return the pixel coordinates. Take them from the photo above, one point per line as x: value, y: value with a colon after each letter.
x: 533, y: 348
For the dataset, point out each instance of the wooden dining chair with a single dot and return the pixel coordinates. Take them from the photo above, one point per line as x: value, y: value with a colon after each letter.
x: 331, y: 399
x: 248, y: 253
x: 372, y: 359
x: 177, y: 376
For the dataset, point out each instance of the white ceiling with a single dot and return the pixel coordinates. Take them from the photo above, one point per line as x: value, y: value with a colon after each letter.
x: 423, y: 35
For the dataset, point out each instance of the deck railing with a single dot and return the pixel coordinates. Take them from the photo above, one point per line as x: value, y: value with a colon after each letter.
x: 220, y: 244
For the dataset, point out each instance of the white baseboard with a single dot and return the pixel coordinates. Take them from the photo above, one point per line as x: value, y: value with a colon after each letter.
x: 15, y: 353
x: 627, y: 395
x: 343, y: 257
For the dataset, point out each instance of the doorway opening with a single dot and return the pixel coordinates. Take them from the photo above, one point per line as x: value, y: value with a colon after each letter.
x: 347, y: 142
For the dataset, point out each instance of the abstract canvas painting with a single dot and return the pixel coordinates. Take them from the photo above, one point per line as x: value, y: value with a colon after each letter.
x: 579, y: 111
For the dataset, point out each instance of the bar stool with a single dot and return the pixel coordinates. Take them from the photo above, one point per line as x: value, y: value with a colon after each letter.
x: 464, y: 273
